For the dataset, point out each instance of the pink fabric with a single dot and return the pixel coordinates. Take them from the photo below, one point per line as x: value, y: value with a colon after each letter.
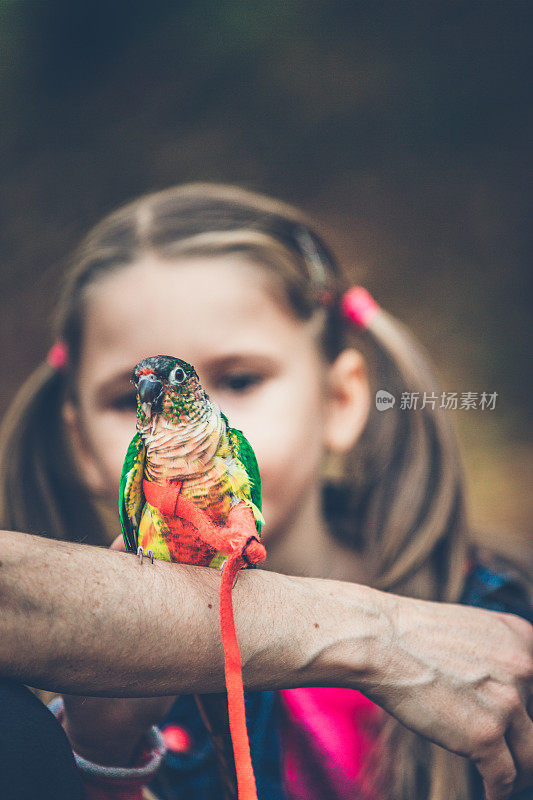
x: 57, y: 356
x: 359, y: 306
x: 327, y: 736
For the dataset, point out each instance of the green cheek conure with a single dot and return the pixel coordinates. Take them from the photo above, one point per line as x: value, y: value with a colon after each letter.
x: 190, y: 492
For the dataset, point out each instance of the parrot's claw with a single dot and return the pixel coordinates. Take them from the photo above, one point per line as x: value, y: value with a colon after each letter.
x: 149, y: 554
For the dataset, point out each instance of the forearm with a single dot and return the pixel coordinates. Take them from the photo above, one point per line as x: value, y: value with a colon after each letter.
x: 88, y: 620
x: 85, y: 620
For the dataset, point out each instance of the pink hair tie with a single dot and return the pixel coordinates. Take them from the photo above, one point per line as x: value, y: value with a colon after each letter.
x: 359, y: 306
x: 57, y: 356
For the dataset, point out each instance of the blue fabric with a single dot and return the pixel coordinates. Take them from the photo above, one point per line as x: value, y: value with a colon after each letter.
x: 194, y: 776
x: 36, y: 760
x: 497, y: 588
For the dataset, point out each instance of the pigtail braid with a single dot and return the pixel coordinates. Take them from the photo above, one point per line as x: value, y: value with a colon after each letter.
x: 403, y: 485
x: 40, y: 492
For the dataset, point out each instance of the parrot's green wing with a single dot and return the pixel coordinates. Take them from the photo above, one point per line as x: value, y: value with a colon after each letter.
x: 243, y: 451
x: 131, y: 496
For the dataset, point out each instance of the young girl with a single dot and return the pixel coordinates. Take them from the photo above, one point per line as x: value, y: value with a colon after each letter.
x: 242, y: 287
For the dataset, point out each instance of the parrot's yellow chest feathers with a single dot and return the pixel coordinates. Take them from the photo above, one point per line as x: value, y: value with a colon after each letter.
x: 194, y: 452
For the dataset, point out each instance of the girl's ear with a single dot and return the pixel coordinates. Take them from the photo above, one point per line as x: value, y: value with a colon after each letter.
x: 348, y: 402
x: 84, y: 458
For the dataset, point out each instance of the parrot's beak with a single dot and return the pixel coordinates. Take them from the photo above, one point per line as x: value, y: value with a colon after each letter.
x: 150, y: 390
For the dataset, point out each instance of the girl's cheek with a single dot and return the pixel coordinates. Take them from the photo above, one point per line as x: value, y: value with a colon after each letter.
x: 111, y: 438
x: 289, y: 453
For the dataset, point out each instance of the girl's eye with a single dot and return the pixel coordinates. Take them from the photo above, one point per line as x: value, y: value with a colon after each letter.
x: 126, y: 402
x: 177, y: 375
x: 239, y: 382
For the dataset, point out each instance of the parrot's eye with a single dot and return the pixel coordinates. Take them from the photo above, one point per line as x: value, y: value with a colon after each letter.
x: 177, y: 375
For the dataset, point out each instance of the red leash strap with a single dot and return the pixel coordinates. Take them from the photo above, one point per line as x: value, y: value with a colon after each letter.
x: 251, y: 554
x: 234, y: 687
x: 165, y: 498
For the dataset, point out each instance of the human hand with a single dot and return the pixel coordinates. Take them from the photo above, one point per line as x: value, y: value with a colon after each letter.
x: 462, y: 677
x: 109, y: 731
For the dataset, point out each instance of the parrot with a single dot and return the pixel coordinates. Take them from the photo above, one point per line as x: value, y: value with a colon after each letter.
x: 190, y: 492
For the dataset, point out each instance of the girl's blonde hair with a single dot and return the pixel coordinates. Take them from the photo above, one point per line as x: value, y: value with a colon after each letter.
x: 399, y: 498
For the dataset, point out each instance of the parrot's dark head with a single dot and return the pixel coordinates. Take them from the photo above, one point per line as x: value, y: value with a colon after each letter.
x: 166, y: 385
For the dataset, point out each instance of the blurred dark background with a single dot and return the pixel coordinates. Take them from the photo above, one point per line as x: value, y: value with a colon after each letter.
x: 403, y: 128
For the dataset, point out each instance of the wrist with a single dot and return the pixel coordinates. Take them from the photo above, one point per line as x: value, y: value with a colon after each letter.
x: 351, y: 637
x: 149, y: 755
